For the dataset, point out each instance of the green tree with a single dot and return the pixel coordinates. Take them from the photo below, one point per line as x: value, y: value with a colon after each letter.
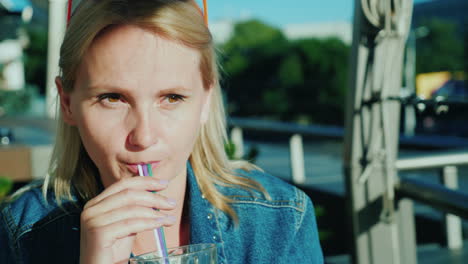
x: 466, y: 53
x: 441, y: 49
x: 324, y: 88
x: 6, y: 186
x: 271, y: 77
x: 251, y: 39
x: 251, y: 61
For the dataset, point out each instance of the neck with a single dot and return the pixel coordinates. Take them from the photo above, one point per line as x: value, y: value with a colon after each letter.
x: 177, y: 235
x: 176, y: 190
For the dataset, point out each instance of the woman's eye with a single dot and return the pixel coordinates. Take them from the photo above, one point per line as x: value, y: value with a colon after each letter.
x: 174, y: 98
x: 110, y: 97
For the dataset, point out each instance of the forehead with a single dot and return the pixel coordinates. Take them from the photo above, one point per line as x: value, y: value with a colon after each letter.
x: 127, y: 53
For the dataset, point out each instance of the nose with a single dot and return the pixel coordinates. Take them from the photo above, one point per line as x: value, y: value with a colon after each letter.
x: 143, y: 133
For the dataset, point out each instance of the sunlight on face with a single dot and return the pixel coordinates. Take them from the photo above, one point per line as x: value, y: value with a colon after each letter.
x: 138, y: 98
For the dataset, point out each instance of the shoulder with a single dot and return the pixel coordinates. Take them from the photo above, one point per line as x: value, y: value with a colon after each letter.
x: 284, y: 221
x: 27, y: 221
x: 25, y: 208
x: 279, y: 192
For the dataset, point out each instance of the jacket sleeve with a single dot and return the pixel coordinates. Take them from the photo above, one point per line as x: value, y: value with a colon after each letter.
x: 6, y: 255
x: 305, y: 246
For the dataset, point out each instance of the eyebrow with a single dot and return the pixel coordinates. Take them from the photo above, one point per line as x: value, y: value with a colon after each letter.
x: 177, y: 89
x: 123, y: 90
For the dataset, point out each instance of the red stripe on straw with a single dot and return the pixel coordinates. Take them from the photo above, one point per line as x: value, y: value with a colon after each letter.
x: 69, y: 11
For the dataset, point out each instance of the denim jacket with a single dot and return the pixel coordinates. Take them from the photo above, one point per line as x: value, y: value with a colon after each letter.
x: 280, y: 230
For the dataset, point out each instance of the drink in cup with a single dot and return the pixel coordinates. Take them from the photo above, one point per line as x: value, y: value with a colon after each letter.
x: 190, y: 254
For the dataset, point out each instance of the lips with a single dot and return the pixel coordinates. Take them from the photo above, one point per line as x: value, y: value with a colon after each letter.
x: 133, y: 167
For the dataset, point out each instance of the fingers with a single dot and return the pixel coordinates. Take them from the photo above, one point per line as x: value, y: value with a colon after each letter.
x: 99, y: 238
x: 126, y: 212
x: 123, y: 209
x: 134, y: 183
x: 127, y: 227
x: 128, y: 198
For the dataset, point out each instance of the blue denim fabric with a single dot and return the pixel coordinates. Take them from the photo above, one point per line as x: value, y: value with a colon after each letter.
x: 280, y: 230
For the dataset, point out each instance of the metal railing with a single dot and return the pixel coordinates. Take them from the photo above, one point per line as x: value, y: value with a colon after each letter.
x: 443, y: 197
x: 296, y: 133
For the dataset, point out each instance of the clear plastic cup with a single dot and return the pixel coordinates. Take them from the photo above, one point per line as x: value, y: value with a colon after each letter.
x: 190, y: 254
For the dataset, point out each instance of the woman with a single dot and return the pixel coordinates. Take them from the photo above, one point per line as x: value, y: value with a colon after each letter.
x: 139, y: 85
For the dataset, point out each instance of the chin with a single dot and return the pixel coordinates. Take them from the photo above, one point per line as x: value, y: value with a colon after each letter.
x: 114, y: 177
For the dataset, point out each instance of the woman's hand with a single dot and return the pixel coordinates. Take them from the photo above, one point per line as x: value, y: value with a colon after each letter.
x: 110, y: 221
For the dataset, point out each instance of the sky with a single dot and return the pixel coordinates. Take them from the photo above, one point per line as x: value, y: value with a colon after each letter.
x: 283, y: 12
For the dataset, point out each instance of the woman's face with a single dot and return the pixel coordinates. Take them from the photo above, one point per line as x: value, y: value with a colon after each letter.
x: 138, y: 98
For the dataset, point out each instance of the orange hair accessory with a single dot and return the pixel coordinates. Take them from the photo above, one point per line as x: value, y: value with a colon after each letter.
x: 203, y: 12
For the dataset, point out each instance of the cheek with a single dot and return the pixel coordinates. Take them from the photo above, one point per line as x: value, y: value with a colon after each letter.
x: 182, y: 129
x: 101, y: 134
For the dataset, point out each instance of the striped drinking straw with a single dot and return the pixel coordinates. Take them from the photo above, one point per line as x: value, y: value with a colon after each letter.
x: 146, y: 170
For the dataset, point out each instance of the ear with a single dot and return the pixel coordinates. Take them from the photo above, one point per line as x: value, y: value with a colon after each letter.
x: 206, y: 105
x: 65, y: 108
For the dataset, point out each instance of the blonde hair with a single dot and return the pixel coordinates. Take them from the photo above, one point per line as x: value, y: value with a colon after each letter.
x: 179, y: 21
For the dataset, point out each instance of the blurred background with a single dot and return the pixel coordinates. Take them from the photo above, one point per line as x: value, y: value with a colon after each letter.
x: 286, y: 67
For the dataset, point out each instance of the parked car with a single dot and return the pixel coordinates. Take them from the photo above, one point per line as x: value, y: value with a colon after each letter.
x: 452, y: 90
x: 447, y: 115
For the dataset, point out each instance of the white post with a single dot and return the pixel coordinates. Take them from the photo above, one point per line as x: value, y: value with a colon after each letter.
x: 410, y: 72
x: 453, y: 225
x: 297, y: 159
x: 11, y: 53
x: 57, y: 25
x: 238, y: 140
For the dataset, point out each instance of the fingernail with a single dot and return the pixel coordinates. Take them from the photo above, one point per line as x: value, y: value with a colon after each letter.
x: 170, y: 218
x: 164, y: 182
x: 171, y: 202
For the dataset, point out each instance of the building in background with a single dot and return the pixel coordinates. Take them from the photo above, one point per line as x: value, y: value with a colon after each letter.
x: 454, y: 12
x: 450, y: 10
x: 222, y: 30
x: 13, y: 14
x: 342, y: 30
